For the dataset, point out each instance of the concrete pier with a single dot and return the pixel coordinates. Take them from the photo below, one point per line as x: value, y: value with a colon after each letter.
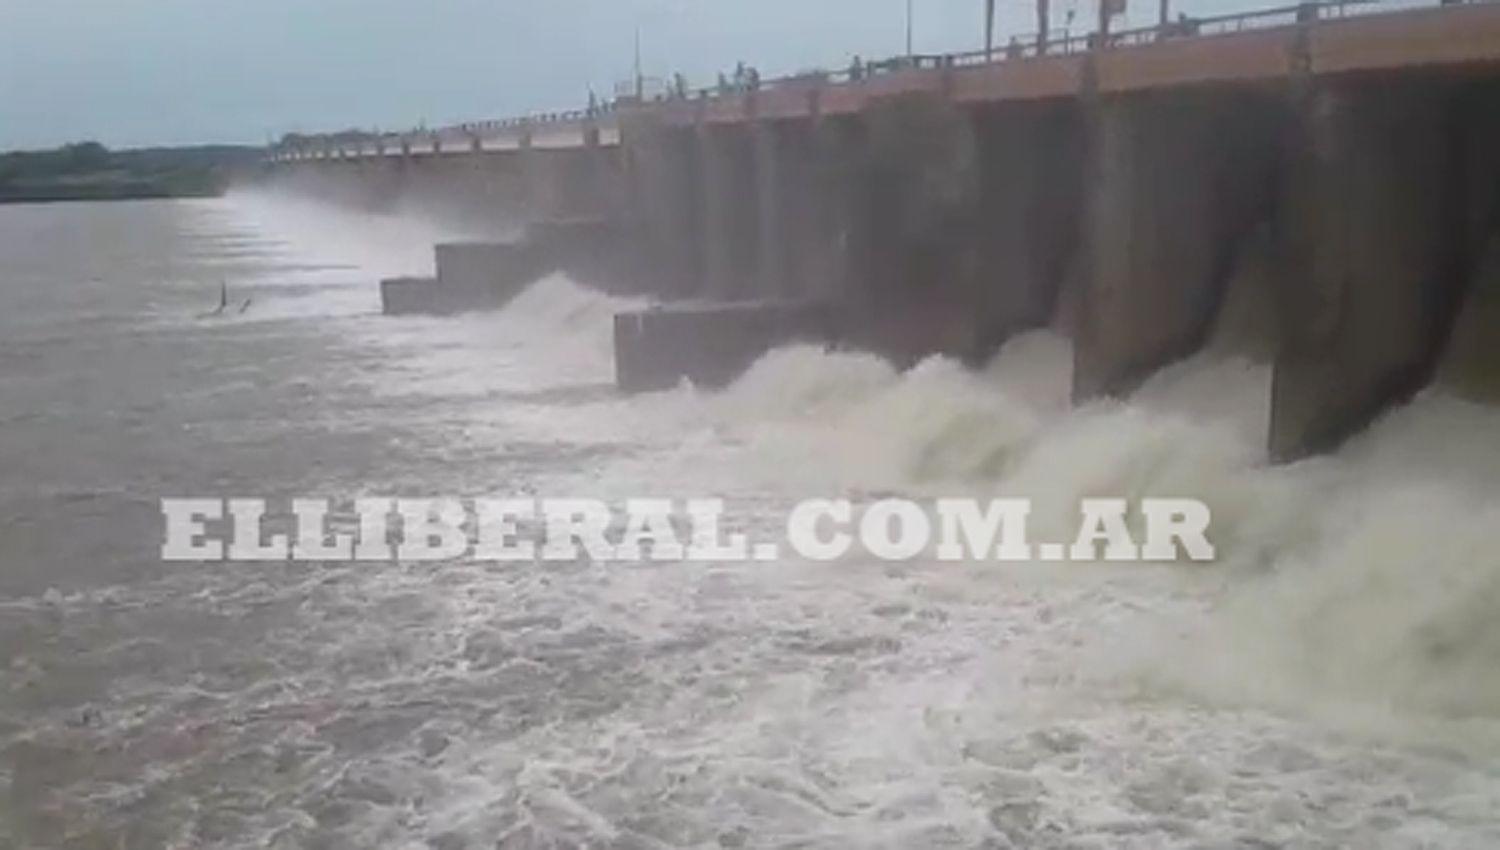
x: 708, y: 345
x: 1179, y: 181
x: 663, y: 172
x: 1032, y: 165
x: 820, y: 199
x: 485, y: 275
x: 780, y: 208
x: 1471, y: 361
x: 1373, y: 232
x: 729, y: 210
x: 405, y: 296
x: 909, y: 231
x: 471, y: 276
x: 596, y: 252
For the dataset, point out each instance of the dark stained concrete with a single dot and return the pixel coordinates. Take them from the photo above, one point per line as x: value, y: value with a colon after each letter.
x: 663, y: 175
x: 1471, y: 361
x: 485, y: 275
x: 1031, y: 171
x: 729, y: 208
x: 708, y: 345
x: 909, y: 230
x: 404, y: 296
x: 596, y: 252
x: 1373, y: 230
x: 1178, y: 181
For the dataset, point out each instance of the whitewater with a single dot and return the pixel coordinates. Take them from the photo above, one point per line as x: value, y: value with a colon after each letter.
x: 1332, y: 680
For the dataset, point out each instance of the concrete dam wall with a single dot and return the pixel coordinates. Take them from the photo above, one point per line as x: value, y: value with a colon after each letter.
x: 1342, y: 226
x: 496, y: 189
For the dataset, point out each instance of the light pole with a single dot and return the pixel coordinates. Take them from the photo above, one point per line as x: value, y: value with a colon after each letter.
x: 1043, y: 24
x: 640, y: 82
x: 908, y: 29
x: 989, y: 29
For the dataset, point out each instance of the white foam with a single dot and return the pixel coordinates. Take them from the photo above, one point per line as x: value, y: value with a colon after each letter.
x: 921, y: 704
x: 1384, y: 608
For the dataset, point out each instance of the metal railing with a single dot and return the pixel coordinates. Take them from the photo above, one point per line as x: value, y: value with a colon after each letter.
x: 1019, y: 48
x: 1062, y: 42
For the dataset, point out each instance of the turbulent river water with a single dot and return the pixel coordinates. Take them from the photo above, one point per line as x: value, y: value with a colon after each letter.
x: 1333, y: 680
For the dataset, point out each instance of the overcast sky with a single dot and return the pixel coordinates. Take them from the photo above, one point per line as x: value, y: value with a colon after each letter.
x: 140, y: 72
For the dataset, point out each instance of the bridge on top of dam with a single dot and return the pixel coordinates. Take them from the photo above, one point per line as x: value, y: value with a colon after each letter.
x: 1315, y: 186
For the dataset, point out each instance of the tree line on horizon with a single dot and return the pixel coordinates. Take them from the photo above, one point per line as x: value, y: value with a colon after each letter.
x: 88, y: 170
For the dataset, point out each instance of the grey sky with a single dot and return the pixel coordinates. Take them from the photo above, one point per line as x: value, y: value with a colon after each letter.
x: 137, y: 72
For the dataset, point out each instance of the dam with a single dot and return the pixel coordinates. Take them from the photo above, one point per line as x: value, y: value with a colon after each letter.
x: 1316, y: 186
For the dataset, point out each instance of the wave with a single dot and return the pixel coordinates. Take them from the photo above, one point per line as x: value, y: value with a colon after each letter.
x: 1367, y: 578
x: 1372, y: 604
x: 1364, y: 578
x: 869, y: 426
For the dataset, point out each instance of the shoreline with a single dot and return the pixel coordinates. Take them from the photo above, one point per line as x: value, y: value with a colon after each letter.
x: 75, y: 194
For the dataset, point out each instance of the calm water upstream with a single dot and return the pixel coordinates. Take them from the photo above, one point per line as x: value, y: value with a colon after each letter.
x: 1333, y: 681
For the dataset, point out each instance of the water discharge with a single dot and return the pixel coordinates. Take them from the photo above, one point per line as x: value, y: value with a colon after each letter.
x: 1332, y: 680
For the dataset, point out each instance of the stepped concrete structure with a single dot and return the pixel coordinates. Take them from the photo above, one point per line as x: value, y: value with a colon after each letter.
x: 1336, y: 164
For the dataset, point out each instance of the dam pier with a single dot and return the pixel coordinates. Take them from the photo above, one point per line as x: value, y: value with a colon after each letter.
x: 1315, y: 186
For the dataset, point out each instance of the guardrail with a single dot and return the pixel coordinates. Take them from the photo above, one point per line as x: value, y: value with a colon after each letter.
x: 470, y: 135
x: 1065, y: 43
x: 574, y: 116
x: 1062, y: 42
x: 1030, y: 46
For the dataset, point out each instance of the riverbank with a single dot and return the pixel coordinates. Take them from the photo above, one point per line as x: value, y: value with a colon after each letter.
x: 90, y: 172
